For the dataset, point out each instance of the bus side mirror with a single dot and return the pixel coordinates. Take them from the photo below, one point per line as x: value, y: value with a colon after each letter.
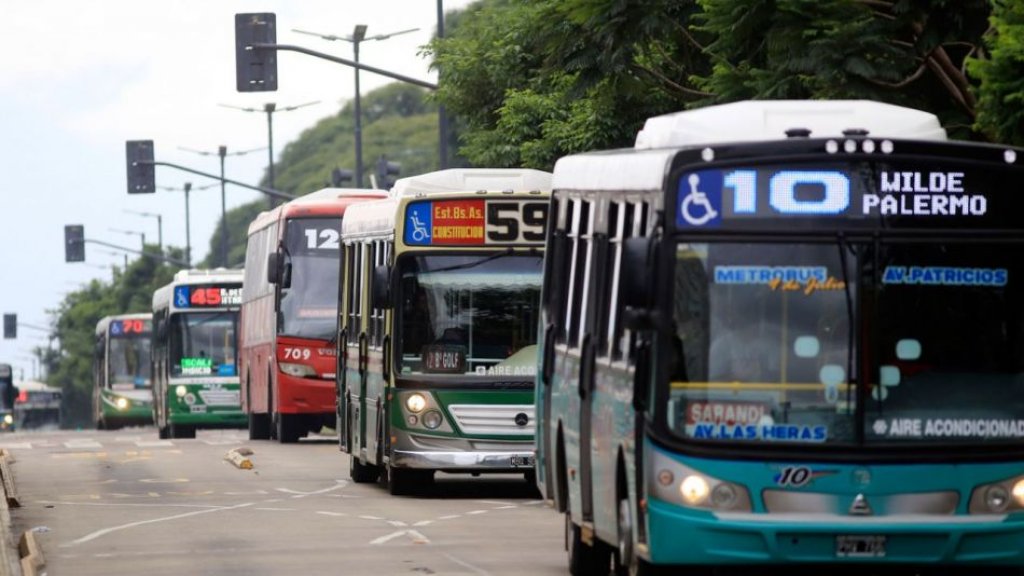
x: 273, y: 260
x: 286, y: 275
x: 380, y: 296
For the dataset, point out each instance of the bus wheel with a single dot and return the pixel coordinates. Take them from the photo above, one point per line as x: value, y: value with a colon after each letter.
x: 359, y: 472
x: 163, y: 432
x: 288, y: 428
x: 403, y: 482
x: 180, y: 431
x: 627, y: 563
x: 585, y: 559
x: 259, y: 426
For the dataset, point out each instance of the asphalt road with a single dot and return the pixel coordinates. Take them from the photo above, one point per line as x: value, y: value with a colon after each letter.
x: 125, y: 502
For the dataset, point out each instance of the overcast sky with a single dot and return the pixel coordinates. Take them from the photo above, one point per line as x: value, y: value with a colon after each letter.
x: 78, y: 79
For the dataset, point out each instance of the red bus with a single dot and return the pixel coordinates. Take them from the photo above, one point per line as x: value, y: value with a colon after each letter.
x: 289, y: 314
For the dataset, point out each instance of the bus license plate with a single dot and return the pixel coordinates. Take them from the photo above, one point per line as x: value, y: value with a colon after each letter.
x: 522, y: 461
x: 860, y: 546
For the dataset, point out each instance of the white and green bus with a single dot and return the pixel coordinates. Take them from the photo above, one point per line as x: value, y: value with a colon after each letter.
x: 195, y: 353
x: 439, y: 305
x: 122, y: 379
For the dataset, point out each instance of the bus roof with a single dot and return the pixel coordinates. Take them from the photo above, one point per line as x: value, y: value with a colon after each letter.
x: 758, y: 120
x: 380, y: 217
x: 645, y: 166
x: 473, y: 180
x: 323, y: 202
x: 104, y: 323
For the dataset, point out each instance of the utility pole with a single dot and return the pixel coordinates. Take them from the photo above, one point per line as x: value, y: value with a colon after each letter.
x: 358, y: 36
x: 159, y: 225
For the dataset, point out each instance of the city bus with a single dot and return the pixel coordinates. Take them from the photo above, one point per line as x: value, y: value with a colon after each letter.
x: 195, y: 352
x: 8, y: 392
x: 437, y: 322
x: 289, y: 314
x: 122, y: 392
x: 786, y: 333
x: 38, y: 406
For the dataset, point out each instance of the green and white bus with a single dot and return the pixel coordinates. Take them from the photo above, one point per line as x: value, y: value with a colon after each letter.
x: 785, y: 334
x: 195, y: 353
x: 438, y: 314
x: 122, y: 393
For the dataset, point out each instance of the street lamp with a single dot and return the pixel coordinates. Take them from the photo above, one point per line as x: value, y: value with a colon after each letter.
x: 159, y: 225
x: 187, y: 188
x: 358, y: 35
x: 270, y: 108
x: 141, y: 235
x: 222, y: 152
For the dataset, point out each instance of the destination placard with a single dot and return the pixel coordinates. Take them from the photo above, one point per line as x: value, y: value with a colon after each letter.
x: 476, y: 222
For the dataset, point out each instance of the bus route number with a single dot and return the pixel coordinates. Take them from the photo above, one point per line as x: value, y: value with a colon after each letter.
x: 325, y: 239
x: 516, y: 221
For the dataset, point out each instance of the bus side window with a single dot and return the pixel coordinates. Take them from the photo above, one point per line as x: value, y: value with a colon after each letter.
x: 638, y: 227
x: 580, y: 241
x: 610, y: 280
x: 563, y: 285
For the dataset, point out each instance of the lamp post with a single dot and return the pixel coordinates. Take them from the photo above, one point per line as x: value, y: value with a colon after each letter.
x: 141, y: 235
x: 187, y: 188
x: 159, y: 225
x: 222, y: 152
x: 358, y: 36
x: 270, y: 108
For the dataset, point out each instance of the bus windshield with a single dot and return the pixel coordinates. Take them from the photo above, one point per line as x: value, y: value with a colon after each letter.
x: 310, y: 305
x: 470, y: 314
x: 203, y: 344
x: 765, y: 353
x: 128, y: 362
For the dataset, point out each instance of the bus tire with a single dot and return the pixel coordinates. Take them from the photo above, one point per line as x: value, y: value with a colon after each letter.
x: 288, y: 428
x: 163, y: 432
x: 403, y: 482
x: 584, y: 559
x: 361, y: 473
x: 259, y: 426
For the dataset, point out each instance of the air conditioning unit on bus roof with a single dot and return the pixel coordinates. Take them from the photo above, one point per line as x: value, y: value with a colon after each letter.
x: 755, y: 120
x: 194, y: 273
x: 473, y: 179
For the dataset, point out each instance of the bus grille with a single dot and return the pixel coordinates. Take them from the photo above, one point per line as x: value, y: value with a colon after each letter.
x: 220, y: 397
x: 485, y: 419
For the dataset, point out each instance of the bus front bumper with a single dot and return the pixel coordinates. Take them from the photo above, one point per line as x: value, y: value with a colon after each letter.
x: 510, y: 461
x: 682, y: 536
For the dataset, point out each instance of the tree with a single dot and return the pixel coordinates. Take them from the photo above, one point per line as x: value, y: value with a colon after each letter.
x: 1000, y: 75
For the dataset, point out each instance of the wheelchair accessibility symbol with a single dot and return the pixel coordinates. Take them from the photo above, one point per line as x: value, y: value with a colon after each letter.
x: 700, y: 197
x: 418, y: 224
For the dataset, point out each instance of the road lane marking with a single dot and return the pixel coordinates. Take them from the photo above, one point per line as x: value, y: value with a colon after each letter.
x: 276, y: 509
x: 450, y: 517
x: 299, y: 494
x: 154, y: 444
x: 424, y: 523
x: 128, y: 504
x: 464, y: 564
x: 164, y: 480
x: 413, y: 535
x: 397, y: 523
x: 475, y: 512
x: 100, y: 533
x: 371, y: 517
x: 83, y: 443
x: 325, y: 513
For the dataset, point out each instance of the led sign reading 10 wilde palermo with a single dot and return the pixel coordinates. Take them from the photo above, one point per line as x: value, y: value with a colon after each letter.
x: 706, y: 198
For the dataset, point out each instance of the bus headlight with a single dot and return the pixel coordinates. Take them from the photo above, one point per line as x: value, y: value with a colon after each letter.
x: 998, y: 497
x: 297, y: 370
x: 121, y: 403
x: 673, y: 482
x: 8, y: 419
x: 181, y: 391
x: 415, y: 403
x: 432, y: 419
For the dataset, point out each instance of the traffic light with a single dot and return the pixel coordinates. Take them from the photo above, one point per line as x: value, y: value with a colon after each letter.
x: 74, y: 243
x: 339, y: 176
x: 10, y: 326
x: 255, y: 68
x: 385, y: 171
x: 141, y: 170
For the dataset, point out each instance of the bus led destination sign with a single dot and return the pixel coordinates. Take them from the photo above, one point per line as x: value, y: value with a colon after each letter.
x: 212, y: 296
x: 475, y: 222
x: 860, y: 193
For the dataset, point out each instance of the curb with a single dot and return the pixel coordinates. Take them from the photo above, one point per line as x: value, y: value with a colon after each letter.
x: 240, y: 458
x: 9, y: 559
x: 31, y: 554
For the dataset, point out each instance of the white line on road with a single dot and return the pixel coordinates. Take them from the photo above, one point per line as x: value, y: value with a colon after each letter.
x: 298, y: 494
x: 325, y: 513
x: 154, y: 444
x: 450, y: 517
x: 475, y: 512
x: 371, y: 517
x: 465, y: 564
x: 84, y: 443
x: 276, y: 509
x: 128, y: 504
x: 17, y: 446
x: 105, y: 531
x: 424, y: 523
x: 413, y: 535
x: 397, y: 523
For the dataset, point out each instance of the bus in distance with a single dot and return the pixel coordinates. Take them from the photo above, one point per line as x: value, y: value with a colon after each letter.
x: 782, y: 333
x: 289, y: 314
x: 37, y: 407
x: 122, y: 393
x: 195, y: 352
x: 8, y: 393
x: 437, y: 326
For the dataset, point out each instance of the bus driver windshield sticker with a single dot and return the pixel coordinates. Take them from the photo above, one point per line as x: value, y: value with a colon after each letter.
x: 805, y: 279
x: 700, y: 200
x: 945, y: 276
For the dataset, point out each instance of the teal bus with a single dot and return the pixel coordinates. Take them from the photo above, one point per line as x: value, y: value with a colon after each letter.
x: 195, y: 353
x: 122, y: 393
x: 438, y: 314
x: 786, y: 333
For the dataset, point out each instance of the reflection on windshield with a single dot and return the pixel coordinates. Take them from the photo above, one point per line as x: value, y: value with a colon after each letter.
x: 128, y: 363
x: 310, y: 305
x: 951, y: 329
x: 470, y: 314
x: 204, y: 344
x: 762, y: 341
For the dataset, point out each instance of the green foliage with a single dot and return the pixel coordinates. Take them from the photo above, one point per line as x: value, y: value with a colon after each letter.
x: 1001, y: 75
x: 70, y: 366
